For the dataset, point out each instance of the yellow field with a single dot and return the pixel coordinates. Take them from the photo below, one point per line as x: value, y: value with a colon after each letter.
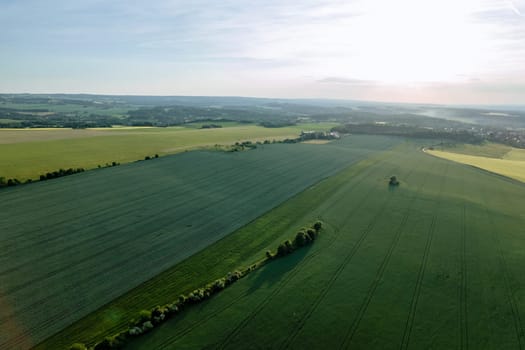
x: 512, y: 164
x: 26, y: 153
x: 515, y: 154
x: 8, y: 136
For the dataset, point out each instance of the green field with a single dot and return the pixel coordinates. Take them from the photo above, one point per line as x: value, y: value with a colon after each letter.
x: 434, y: 263
x: 25, y: 154
x: 487, y: 149
x: 73, y: 244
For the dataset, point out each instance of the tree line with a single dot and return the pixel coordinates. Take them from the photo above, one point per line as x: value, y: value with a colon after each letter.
x: 60, y: 173
x: 43, y: 177
x: 305, y: 136
x: 146, y: 320
x: 10, y: 182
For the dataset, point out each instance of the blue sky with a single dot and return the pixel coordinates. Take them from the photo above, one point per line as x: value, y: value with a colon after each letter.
x: 443, y: 51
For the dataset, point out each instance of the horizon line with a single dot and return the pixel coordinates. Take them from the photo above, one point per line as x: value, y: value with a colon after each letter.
x: 466, y: 105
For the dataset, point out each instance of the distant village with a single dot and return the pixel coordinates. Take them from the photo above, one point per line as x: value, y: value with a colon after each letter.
x: 319, y: 135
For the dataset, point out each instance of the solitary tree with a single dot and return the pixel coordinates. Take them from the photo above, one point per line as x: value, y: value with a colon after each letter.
x: 393, y: 181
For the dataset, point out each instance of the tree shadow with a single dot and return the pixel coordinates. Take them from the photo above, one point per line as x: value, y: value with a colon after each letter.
x: 276, y: 269
x: 392, y: 188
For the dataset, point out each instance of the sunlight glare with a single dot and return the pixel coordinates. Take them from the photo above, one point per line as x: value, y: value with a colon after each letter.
x: 417, y: 41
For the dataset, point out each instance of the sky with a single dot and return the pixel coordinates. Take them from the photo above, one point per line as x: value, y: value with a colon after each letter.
x: 425, y: 51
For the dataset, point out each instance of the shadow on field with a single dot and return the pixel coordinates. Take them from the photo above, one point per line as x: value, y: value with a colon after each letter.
x: 275, y: 270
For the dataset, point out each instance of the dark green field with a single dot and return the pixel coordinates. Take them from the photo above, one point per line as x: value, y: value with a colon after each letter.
x: 74, y: 244
x: 436, y: 263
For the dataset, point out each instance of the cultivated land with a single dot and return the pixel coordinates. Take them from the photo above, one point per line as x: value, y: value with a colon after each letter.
x: 488, y: 149
x: 73, y: 244
x: 434, y: 263
x: 499, y: 159
x: 25, y: 154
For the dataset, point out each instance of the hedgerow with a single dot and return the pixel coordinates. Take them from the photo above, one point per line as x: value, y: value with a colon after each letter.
x: 147, y: 320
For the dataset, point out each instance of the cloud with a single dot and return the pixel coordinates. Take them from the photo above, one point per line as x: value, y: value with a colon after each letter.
x: 344, y: 46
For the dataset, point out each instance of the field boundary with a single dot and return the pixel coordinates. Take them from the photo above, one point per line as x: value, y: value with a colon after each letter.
x: 121, y: 339
x: 167, y: 340
x: 488, y: 172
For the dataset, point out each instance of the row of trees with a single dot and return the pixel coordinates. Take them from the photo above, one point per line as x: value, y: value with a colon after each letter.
x: 303, y: 237
x: 247, y: 145
x: 146, y: 320
x: 43, y: 177
x: 109, y: 165
x: 10, y: 182
x: 148, y: 157
x: 241, y: 146
x: 210, y: 126
x: 60, y: 173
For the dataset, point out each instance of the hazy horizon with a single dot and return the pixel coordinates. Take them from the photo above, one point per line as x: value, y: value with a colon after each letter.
x: 435, y: 52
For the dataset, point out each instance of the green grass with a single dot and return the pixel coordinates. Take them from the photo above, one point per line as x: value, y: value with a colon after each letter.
x: 42, y: 151
x: 434, y: 263
x: 72, y: 245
